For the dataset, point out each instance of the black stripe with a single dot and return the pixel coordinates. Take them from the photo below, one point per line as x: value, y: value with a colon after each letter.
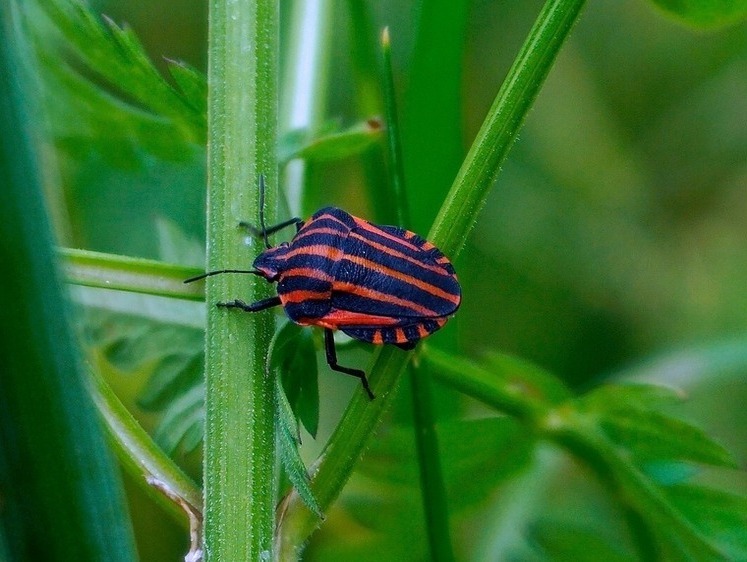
x: 307, y: 310
x: 371, y: 279
x: 302, y: 283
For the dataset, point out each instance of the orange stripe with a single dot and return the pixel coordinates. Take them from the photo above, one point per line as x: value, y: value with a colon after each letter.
x: 400, y: 336
x: 427, y: 287
x: 395, y: 253
x: 362, y: 291
x: 301, y: 295
x: 422, y: 332
x: 365, y: 225
x: 316, y: 250
x: 319, y: 230
x: 337, y: 318
x: 377, y: 339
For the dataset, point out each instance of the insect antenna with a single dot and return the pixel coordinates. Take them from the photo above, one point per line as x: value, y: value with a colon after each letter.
x: 262, y: 209
x: 217, y: 271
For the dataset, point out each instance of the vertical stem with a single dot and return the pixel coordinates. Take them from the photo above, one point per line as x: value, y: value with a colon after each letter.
x: 239, y: 435
x: 449, y: 232
x: 429, y: 462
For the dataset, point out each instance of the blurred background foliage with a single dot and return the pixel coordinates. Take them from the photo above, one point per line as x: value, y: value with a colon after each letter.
x: 612, y: 247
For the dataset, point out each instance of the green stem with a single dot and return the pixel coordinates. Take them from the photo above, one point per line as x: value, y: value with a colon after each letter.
x: 432, y: 488
x: 449, y: 232
x: 239, y: 433
x: 135, y: 275
x: 137, y: 450
x: 501, y: 126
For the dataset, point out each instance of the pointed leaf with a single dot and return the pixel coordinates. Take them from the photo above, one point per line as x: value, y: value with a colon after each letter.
x: 650, y: 435
x: 285, y: 434
x: 183, y: 421
x: 719, y: 515
x: 629, y: 397
x: 174, y: 376
x: 293, y: 355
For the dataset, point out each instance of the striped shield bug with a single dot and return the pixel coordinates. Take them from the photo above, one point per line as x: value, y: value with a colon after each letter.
x: 378, y: 284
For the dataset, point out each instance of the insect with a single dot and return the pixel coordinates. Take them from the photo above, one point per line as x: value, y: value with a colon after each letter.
x: 378, y: 284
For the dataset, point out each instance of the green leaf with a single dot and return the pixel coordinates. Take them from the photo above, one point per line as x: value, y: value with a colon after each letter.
x: 62, y: 497
x: 174, y: 375
x: 705, y: 13
x: 721, y: 516
x: 564, y: 540
x: 192, y: 83
x: 627, y: 414
x: 285, y: 434
x: 293, y: 359
x: 653, y: 436
x: 330, y: 144
x: 183, y: 421
x: 629, y: 397
x: 537, y: 384
x: 116, y: 55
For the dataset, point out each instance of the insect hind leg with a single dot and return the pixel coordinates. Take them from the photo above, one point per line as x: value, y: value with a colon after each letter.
x: 329, y: 348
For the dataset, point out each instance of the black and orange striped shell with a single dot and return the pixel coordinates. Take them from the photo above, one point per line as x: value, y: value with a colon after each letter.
x: 379, y: 284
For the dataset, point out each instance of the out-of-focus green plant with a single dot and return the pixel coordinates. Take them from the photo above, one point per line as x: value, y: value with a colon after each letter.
x: 539, y: 470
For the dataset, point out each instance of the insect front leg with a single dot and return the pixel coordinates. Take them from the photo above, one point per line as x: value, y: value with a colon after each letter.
x: 329, y: 347
x: 254, y: 307
x: 259, y: 233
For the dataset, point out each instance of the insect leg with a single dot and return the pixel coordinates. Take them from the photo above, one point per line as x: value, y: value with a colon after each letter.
x: 257, y: 232
x: 329, y: 347
x: 254, y: 307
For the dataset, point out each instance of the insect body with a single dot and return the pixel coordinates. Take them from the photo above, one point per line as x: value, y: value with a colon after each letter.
x: 379, y: 284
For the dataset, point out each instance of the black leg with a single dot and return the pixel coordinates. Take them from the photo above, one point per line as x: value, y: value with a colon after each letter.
x: 257, y: 232
x: 329, y: 347
x: 254, y: 307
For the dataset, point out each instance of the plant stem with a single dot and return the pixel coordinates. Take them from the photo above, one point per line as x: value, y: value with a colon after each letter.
x: 449, y: 232
x: 500, y: 128
x: 239, y: 433
x: 125, y: 273
x: 136, y: 449
x: 432, y: 488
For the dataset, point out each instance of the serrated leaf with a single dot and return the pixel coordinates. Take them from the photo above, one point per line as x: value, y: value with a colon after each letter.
x: 285, y: 434
x: 115, y: 53
x: 293, y: 356
x: 705, y: 13
x: 192, y: 83
x: 650, y: 435
x: 174, y: 375
x: 183, y: 421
